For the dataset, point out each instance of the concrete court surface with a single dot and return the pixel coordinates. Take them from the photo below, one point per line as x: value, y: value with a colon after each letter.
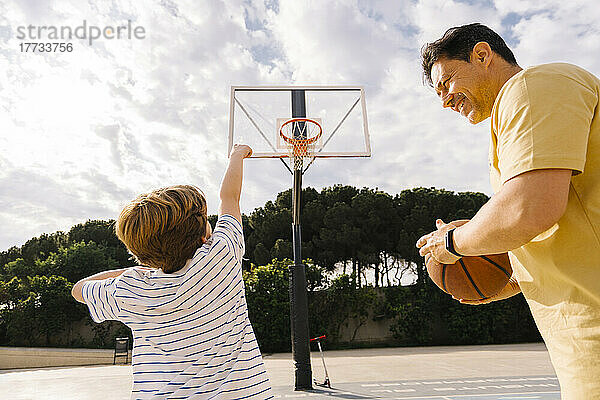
x: 521, y: 371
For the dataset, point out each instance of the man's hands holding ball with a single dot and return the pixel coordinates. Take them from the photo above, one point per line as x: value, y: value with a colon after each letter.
x: 433, y: 245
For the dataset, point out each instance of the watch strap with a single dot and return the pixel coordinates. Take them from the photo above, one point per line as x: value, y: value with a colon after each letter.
x: 450, y: 243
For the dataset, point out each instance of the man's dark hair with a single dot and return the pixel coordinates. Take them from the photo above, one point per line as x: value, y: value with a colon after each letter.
x: 457, y: 44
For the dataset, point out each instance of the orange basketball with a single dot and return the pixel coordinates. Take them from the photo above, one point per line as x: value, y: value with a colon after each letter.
x: 473, y: 278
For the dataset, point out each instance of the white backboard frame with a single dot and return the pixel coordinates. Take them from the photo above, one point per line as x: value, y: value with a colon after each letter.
x: 236, y: 106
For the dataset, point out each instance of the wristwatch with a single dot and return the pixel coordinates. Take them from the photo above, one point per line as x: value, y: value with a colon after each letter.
x: 450, y: 243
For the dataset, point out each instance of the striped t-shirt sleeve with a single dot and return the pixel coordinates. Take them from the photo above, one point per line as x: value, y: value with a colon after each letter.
x: 229, y: 229
x: 99, y: 296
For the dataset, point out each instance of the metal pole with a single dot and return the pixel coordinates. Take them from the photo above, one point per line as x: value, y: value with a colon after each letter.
x: 298, y: 295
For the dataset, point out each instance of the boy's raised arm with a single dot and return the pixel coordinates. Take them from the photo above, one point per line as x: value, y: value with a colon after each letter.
x: 231, y: 187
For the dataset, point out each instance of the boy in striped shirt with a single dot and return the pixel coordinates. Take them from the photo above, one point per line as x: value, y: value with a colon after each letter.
x: 185, y: 304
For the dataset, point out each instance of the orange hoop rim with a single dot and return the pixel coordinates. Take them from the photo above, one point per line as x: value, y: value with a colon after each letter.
x: 293, y: 141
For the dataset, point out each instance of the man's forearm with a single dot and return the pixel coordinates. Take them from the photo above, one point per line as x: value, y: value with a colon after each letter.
x: 499, y: 226
x: 526, y: 206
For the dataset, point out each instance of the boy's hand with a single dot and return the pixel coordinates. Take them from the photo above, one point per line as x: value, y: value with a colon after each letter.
x: 242, y: 149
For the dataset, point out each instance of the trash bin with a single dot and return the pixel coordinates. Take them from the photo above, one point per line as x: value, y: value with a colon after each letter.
x: 121, y: 349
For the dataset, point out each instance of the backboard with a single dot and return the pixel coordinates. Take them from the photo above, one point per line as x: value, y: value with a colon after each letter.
x: 258, y: 112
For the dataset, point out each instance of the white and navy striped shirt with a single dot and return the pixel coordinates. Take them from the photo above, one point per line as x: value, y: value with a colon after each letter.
x: 192, y: 336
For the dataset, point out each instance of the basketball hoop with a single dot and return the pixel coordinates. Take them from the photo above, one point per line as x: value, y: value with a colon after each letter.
x: 260, y: 117
x: 300, y: 136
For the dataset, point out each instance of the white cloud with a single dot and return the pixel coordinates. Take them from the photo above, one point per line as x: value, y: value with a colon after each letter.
x: 434, y: 17
x: 84, y: 132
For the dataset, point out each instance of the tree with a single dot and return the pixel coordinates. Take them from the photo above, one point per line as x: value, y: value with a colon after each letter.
x: 55, y: 308
x: 339, y: 237
x: 11, y: 292
x: 37, y: 307
x: 80, y: 260
x: 268, y: 301
x: 268, y: 224
x: 418, y: 209
x: 261, y: 255
x: 103, y: 234
x: 22, y: 269
x: 378, y: 222
x: 361, y: 229
x: 9, y: 255
x: 338, y: 194
x: 340, y: 304
x: 268, y: 304
x: 281, y: 250
x: 39, y: 248
x: 97, y: 231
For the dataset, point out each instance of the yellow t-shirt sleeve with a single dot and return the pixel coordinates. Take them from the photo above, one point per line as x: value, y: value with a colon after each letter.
x: 543, y: 122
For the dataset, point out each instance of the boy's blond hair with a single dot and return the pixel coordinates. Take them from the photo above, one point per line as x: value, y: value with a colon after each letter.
x: 163, y: 228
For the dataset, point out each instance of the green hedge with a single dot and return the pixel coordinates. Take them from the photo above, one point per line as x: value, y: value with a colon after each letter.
x: 427, y: 316
x: 39, y: 311
x: 420, y: 314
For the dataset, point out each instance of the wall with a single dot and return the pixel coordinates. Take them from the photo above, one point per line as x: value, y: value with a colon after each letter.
x: 371, y: 332
x: 36, y: 357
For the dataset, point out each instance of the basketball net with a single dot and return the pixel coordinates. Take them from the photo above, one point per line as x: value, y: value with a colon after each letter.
x: 300, y: 136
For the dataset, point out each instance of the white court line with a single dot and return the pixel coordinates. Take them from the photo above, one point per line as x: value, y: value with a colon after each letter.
x: 449, y: 382
x: 542, y: 379
x: 393, y: 390
x: 480, y: 388
x: 473, y: 395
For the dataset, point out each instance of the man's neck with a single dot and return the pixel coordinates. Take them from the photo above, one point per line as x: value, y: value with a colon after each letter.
x: 504, y: 72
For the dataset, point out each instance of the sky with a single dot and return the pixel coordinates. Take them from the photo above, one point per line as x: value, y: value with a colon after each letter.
x: 84, y: 132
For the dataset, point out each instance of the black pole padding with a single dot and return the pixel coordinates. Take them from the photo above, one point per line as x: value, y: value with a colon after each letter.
x: 298, y: 104
x: 299, y: 325
x: 296, y: 204
x: 299, y: 130
x: 298, y: 294
x: 297, y: 243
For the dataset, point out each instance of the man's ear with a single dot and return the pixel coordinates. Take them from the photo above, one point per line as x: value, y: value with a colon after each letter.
x: 482, y: 54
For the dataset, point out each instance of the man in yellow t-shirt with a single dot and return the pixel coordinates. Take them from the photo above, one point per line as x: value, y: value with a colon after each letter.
x: 545, y: 172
